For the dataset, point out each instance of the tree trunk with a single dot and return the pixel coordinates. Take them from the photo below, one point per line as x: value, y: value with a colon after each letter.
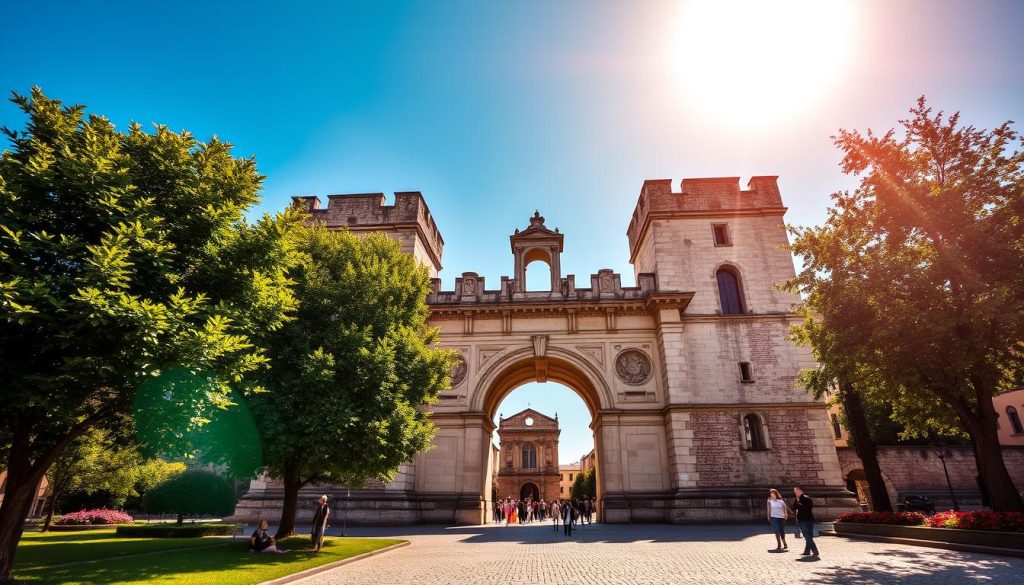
x: 23, y: 477
x: 988, y: 456
x: 292, y: 483
x: 50, y: 509
x: 19, y: 494
x: 864, y: 445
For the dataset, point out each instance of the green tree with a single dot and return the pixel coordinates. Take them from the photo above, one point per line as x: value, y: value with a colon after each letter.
x: 124, y: 257
x: 584, y: 485
x: 193, y: 493
x: 95, y: 462
x: 350, y: 374
x: 914, y: 279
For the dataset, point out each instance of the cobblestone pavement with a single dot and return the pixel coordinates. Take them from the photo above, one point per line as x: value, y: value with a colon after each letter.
x: 649, y: 554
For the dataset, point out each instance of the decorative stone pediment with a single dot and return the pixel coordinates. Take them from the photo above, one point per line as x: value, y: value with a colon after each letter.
x: 528, y: 420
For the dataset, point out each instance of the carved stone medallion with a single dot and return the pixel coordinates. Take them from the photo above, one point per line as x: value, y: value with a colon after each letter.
x: 633, y: 367
x: 458, y: 370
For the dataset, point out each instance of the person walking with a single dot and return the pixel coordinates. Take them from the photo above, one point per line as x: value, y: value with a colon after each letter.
x: 323, y: 511
x: 567, y: 514
x: 777, y: 515
x: 555, y: 509
x: 804, y: 506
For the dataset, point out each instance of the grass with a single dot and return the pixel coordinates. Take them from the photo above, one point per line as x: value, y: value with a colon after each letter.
x: 212, y: 560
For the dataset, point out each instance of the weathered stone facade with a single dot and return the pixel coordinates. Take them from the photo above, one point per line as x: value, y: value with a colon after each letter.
x: 688, y: 375
x: 529, y: 456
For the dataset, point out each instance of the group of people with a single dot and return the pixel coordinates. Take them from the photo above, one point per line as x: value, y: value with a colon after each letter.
x: 567, y: 512
x: 802, y: 509
x: 261, y: 540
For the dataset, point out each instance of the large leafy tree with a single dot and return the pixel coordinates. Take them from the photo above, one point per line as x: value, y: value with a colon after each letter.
x: 123, y: 256
x: 97, y: 462
x: 915, y: 279
x: 351, y: 373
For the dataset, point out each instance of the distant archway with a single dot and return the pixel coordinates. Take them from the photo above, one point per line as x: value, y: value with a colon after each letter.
x: 529, y: 490
x: 565, y: 367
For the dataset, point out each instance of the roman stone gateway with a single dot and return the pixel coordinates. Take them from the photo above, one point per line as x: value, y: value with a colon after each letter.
x: 689, y: 376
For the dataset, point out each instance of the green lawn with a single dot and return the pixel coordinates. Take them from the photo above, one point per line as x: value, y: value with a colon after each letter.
x: 211, y: 560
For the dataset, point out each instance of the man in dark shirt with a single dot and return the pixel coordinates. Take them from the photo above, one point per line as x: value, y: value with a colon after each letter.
x: 261, y: 541
x: 804, y: 506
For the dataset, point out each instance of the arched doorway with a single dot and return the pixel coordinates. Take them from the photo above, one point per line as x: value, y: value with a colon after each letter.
x: 529, y: 491
x: 563, y: 368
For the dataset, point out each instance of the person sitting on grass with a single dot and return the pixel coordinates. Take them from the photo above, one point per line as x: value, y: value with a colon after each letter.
x: 262, y: 542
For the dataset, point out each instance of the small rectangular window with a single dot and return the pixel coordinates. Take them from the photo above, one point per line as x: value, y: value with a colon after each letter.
x: 721, y: 234
x: 836, y: 427
x: 746, y: 375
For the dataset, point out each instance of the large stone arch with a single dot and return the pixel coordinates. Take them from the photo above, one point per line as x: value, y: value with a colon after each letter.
x: 557, y: 364
x: 520, y: 366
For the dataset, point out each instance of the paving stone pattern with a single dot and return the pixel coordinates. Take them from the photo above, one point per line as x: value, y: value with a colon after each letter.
x: 654, y: 554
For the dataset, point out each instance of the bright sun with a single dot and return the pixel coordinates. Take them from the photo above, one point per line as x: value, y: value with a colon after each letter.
x: 749, y: 60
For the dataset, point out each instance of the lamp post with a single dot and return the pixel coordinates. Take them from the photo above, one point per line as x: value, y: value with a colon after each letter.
x: 344, y: 516
x: 949, y: 484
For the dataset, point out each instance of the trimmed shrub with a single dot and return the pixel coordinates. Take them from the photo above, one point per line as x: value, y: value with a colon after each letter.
x: 100, y: 516
x: 175, y: 531
x: 193, y: 493
x: 891, y: 518
x: 980, y: 520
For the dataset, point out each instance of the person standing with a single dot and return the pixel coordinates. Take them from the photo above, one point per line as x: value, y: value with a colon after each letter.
x: 777, y: 515
x: 804, y: 507
x: 320, y: 523
x: 567, y: 514
x: 555, y: 514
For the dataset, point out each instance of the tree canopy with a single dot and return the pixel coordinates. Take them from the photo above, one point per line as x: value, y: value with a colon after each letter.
x: 913, y: 285
x: 124, y: 257
x: 193, y: 493
x: 351, y: 372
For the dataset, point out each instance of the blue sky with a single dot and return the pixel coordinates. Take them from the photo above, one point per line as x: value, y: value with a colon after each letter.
x: 494, y: 109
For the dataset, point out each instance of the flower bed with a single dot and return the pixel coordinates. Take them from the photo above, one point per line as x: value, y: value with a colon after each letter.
x: 101, y: 517
x: 888, y: 518
x: 980, y: 520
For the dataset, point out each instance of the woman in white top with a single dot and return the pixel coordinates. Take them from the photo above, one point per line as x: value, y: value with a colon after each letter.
x: 777, y: 515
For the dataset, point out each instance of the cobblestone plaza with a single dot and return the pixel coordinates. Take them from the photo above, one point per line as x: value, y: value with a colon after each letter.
x: 653, y: 554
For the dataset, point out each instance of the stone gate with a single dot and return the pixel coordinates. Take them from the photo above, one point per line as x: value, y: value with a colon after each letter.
x: 689, y: 376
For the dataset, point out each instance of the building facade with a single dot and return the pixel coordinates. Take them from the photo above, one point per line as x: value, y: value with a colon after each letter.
x: 566, y: 476
x: 528, y: 467
x: 689, y: 376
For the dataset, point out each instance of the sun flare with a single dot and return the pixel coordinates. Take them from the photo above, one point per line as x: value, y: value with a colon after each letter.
x: 748, y: 60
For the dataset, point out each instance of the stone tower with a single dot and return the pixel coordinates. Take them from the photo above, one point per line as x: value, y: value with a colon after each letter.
x: 736, y: 418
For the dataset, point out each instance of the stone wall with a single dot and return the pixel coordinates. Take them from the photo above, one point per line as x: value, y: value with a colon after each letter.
x: 917, y: 470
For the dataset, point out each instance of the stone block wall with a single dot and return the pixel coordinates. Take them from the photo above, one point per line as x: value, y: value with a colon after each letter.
x: 917, y: 470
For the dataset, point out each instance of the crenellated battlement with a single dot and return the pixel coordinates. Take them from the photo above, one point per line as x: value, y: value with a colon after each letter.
x: 367, y: 212
x: 713, y: 196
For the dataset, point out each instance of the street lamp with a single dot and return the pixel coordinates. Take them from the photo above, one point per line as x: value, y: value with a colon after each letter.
x: 942, y: 457
x: 344, y: 516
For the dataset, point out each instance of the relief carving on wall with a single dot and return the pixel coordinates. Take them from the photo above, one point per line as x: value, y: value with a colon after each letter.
x: 633, y: 367
x: 458, y: 370
x: 469, y: 286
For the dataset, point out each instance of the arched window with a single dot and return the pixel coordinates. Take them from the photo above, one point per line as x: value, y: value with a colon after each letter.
x: 753, y: 434
x: 1011, y: 413
x: 729, y: 292
x: 529, y: 457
